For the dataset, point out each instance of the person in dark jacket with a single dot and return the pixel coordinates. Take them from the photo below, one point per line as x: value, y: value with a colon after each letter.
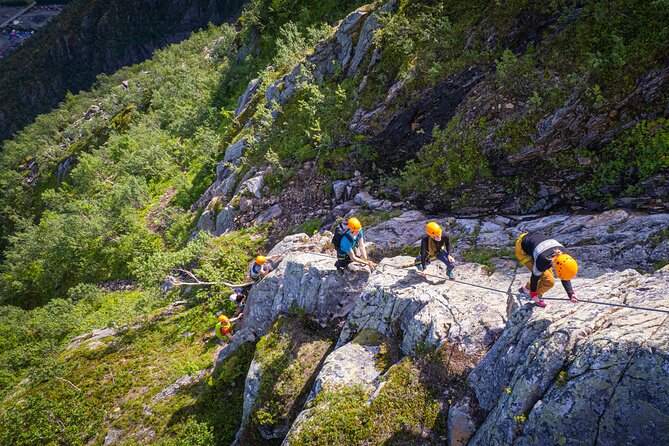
x: 435, y: 245
x: 539, y: 254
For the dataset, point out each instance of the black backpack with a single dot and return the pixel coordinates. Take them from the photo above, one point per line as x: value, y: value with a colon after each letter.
x: 339, y: 233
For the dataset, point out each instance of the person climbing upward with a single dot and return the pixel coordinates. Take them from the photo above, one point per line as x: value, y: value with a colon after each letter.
x: 224, y: 327
x: 261, y: 266
x: 347, y: 238
x: 539, y: 254
x: 239, y: 299
x: 435, y: 245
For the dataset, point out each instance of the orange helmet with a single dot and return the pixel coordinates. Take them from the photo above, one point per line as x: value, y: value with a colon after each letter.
x: 354, y: 224
x: 222, y: 318
x: 260, y: 260
x: 433, y: 229
x: 566, y: 266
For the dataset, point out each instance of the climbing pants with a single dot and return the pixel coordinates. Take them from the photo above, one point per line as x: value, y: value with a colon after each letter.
x: 450, y: 266
x: 546, y: 280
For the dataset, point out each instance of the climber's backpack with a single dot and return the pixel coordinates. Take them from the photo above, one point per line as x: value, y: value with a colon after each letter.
x: 340, y: 231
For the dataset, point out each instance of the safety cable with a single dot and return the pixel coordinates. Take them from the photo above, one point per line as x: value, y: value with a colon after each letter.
x: 508, y: 292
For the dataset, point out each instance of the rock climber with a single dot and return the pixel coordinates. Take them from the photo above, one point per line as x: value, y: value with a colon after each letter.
x: 435, y: 245
x: 263, y: 266
x: 224, y: 327
x: 347, y: 238
x: 539, y: 254
x: 239, y: 298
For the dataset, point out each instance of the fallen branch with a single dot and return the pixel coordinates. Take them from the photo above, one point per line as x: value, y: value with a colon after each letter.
x: 174, y: 281
x: 69, y: 382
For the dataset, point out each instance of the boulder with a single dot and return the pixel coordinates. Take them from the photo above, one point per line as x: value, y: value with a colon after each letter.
x: 234, y: 152
x: 339, y: 189
x: 92, y: 339
x: 207, y: 221
x: 461, y: 423
x: 364, y: 198
x: 306, y: 280
x: 270, y: 214
x: 245, y: 98
x: 252, y: 186
x: 398, y: 303
x: 660, y: 252
x: 344, y: 35
x: 225, y: 221
x: 251, y: 392
x: 112, y: 436
x: 184, y: 381
x: 64, y: 168
x: 352, y: 364
x: 573, y: 373
x: 404, y: 230
x: 366, y: 37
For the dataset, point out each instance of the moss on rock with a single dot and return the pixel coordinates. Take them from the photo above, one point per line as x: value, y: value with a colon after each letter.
x: 410, y: 406
x: 289, y: 356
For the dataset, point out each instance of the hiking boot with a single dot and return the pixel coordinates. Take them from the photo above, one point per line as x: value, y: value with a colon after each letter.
x: 522, y: 293
x: 450, y: 274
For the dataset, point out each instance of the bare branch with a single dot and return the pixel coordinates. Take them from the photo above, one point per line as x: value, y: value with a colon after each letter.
x: 176, y: 282
x: 69, y: 382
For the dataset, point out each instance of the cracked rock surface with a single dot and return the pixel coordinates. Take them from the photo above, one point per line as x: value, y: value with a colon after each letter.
x: 581, y: 374
x: 398, y: 303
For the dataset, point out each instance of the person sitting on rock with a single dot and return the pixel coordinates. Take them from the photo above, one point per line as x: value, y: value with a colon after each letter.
x: 261, y: 267
x: 224, y: 327
x: 345, y: 240
x: 539, y: 254
x: 435, y: 245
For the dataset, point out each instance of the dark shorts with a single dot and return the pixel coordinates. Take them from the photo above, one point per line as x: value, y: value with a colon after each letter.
x: 343, y: 261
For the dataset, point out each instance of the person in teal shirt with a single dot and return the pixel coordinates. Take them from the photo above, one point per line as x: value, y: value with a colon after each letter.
x: 350, y: 240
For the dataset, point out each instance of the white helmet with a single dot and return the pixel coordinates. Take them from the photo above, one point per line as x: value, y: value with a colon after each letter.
x: 233, y: 297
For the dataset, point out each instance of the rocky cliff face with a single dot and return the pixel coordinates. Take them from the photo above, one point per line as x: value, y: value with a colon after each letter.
x: 575, y: 375
x: 565, y: 374
x: 534, y: 153
x: 90, y: 38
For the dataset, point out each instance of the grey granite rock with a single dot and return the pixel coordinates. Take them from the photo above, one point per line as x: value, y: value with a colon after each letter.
x: 575, y: 372
x: 398, y: 303
x: 225, y: 220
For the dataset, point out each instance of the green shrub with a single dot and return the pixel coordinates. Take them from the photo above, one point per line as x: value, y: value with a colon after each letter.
x: 611, y: 43
x: 224, y: 258
x: 423, y: 41
x: 636, y: 155
x: 406, y: 406
x: 309, y: 227
x: 452, y: 160
x: 484, y: 255
x: 516, y: 75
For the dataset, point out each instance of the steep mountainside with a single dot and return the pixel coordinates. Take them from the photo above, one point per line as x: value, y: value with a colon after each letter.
x: 93, y: 37
x: 255, y: 139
